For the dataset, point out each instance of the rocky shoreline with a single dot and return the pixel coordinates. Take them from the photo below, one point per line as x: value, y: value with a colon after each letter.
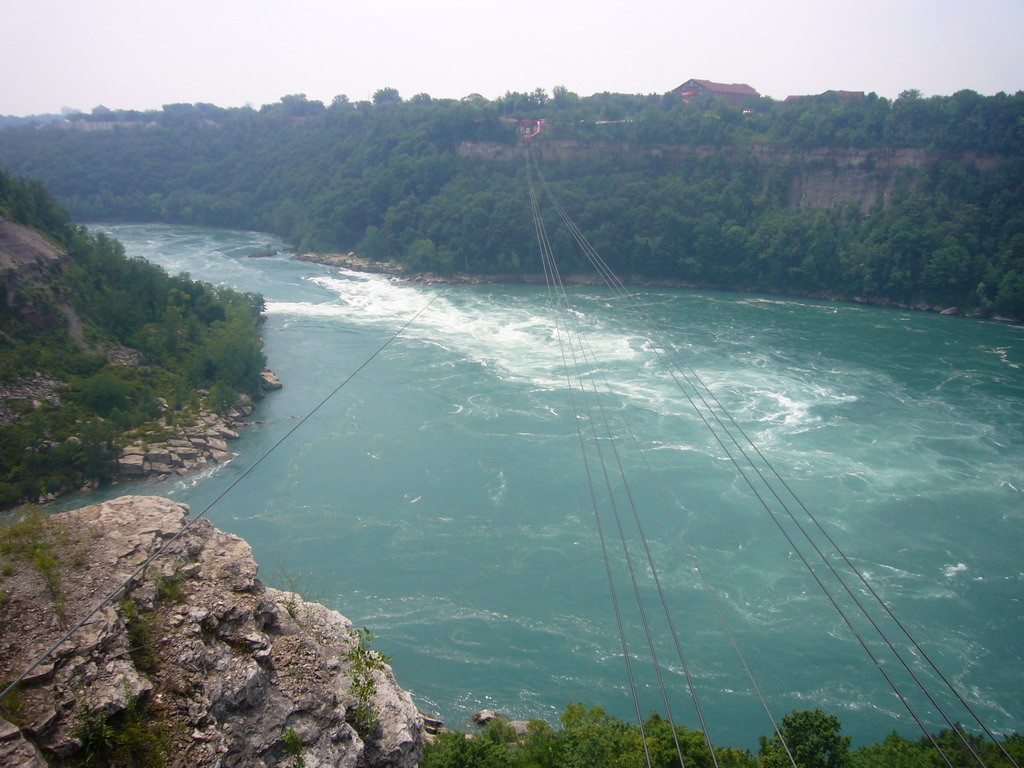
x: 351, y: 261
x: 361, y: 264
x: 226, y: 671
x: 196, y: 447
x: 156, y: 455
x: 202, y: 445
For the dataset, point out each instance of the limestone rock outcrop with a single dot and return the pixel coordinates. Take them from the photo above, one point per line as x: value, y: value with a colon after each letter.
x: 199, y: 446
x: 269, y: 380
x: 231, y: 672
x: 352, y: 261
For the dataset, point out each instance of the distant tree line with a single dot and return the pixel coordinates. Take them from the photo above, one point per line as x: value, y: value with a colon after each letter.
x: 190, y: 335
x: 590, y: 737
x: 384, y: 177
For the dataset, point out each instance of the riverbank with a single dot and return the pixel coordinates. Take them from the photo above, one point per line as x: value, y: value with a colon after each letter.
x: 200, y: 444
x: 393, y: 269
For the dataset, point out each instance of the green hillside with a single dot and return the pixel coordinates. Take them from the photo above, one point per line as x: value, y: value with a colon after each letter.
x: 94, y: 345
x: 914, y: 201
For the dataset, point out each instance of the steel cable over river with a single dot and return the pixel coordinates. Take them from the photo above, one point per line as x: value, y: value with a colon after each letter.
x: 441, y: 500
x: 764, y: 482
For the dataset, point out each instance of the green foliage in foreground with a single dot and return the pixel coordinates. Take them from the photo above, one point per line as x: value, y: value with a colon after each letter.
x: 190, y: 335
x: 364, y: 662
x: 589, y: 738
x: 134, y: 738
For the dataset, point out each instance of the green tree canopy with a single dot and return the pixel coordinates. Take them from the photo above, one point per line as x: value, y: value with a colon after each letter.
x: 812, y: 738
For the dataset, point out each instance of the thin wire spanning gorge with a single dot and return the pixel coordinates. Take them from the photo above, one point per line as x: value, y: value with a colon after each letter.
x: 807, y: 538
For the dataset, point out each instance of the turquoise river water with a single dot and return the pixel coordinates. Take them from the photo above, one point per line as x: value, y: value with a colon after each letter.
x: 441, y: 500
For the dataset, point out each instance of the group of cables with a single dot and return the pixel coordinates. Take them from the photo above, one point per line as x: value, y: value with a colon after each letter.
x: 603, y: 439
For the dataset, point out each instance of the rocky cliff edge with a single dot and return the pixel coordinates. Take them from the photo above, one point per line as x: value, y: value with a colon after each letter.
x: 226, y: 671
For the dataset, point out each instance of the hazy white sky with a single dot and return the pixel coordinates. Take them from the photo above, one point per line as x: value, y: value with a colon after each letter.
x: 141, y: 54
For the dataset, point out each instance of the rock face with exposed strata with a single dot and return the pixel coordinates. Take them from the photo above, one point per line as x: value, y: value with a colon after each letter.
x: 234, y: 666
x: 824, y: 177
x: 269, y: 380
x: 202, y: 445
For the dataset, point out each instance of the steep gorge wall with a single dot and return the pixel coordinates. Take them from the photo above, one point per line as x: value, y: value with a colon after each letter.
x: 824, y: 177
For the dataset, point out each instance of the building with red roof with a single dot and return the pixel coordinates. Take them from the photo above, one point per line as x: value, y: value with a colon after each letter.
x: 733, y: 93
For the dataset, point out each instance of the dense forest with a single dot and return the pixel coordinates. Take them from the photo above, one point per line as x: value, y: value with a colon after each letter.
x: 60, y: 334
x: 664, y: 188
x: 590, y: 737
